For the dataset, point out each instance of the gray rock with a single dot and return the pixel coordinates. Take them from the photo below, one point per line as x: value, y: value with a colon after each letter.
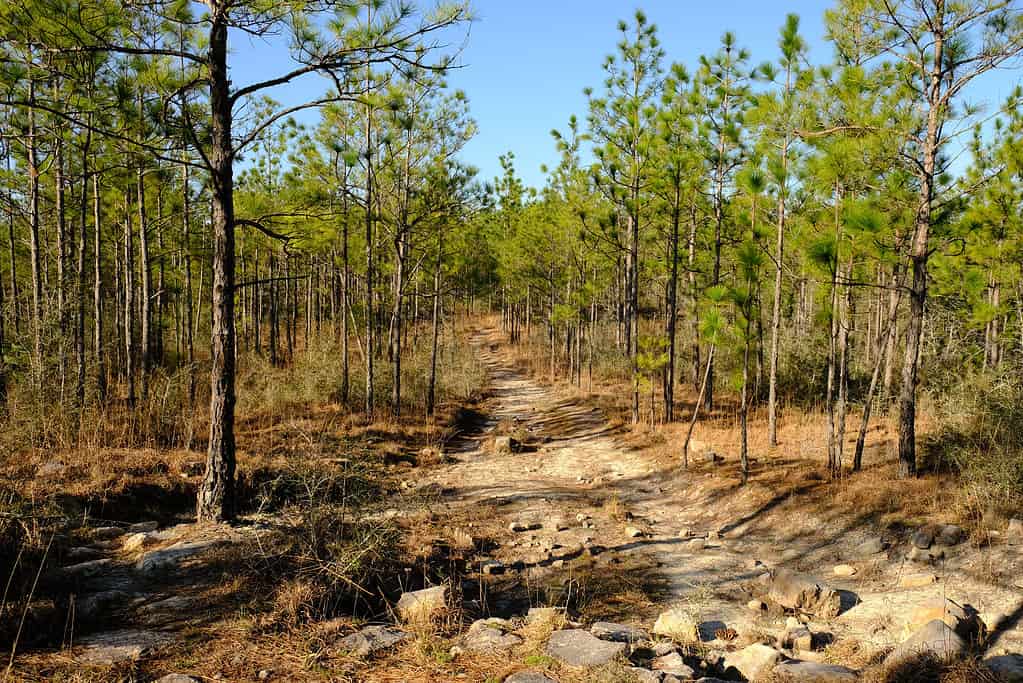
x: 753, y: 662
x: 143, y: 527
x: 924, y: 537
x: 872, y: 546
x: 91, y: 606
x: 801, y: 592
x: 814, y: 672
x: 528, y: 677
x: 673, y: 664
x: 85, y: 569
x: 576, y: 647
x: 84, y: 554
x: 166, y: 610
x: 646, y: 675
x: 620, y: 633
x: 138, y: 541
x: 171, y: 556
x: 492, y: 567
x: 1008, y: 667
x: 935, y: 639
x: 105, y: 533
x: 928, y: 556
x: 114, y: 647
x: 421, y: 605
x: 373, y: 639
x: 484, y: 637
x: 949, y: 535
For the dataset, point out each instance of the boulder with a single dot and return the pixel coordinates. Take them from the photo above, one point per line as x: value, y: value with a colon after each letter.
x: 555, y: 523
x: 754, y: 662
x: 1009, y: 668
x: 420, y: 606
x: 673, y: 664
x: 484, y: 637
x: 678, y: 624
x: 801, y: 592
x: 935, y: 639
x: 965, y: 623
x: 932, y: 554
x: 814, y: 672
x: 373, y: 639
x: 529, y: 677
x: 577, y: 647
x: 917, y: 580
x: 619, y: 633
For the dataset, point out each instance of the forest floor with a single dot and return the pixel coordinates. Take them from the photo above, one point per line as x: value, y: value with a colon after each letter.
x: 581, y: 512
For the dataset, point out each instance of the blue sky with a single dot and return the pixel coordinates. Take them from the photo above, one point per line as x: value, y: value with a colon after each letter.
x: 527, y: 61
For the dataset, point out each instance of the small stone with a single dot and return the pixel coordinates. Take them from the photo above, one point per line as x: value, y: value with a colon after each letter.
x: 528, y: 677
x: 696, y: 544
x: 949, y: 535
x: 641, y: 675
x: 143, y: 527
x: 935, y: 639
x: 757, y: 605
x: 105, y: 533
x: 373, y: 639
x: 519, y: 527
x: 505, y: 444
x: 801, y: 592
x: 754, y: 662
x: 713, y: 535
x: 420, y: 606
x: 872, y: 546
x: 799, y: 639
x: 845, y: 570
x: 634, y: 532
x: 177, y: 678
x: 619, y: 633
x: 685, y: 532
x: 678, y: 624
x: 556, y: 523
x: 265, y: 674
x: 558, y: 564
x: 814, y: 672
x: 576, y: 647
x: 673, y: 664
x: 138, y: 541
x: 924, y: 537
x: 581, y: 517
x: 917, y: 580
x: 492, y: 567
x: 484, y: 637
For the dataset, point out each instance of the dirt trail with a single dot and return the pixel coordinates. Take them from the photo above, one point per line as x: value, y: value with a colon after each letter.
x: 582, y: 463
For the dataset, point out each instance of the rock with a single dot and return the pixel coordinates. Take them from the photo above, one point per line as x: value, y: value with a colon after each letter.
x: 845, y: 570
x: 664, y: 647
x: 545, y: 615
x: 528, y: 677
x: 753, y: 662
x: 757, y: 605
x: 619, y: 633
x: 576, y: 647
x: 555, y: 523
x: 673, y: 664
x: 166, y: 610
x: 94, y: 605
x: 642, y: 675
x: 1007, y: 667
x: 84, y: 554
x: 171, y: 556
x: 696, y: 544
x: 814, y: 672
x: 966, y: 624
x: 924, y: 536
x: 138, y: 541
x: 949, y: 535
x: 520, y: 526
x: 177, y: 678
x: 872, y: 546
x: 711, y: 458
x: 484, y: 637
x: 634, y: 532
x: 685, y: 532
x: 420, y: 606
x: 678, y: 624
x: 105, y: 533
x: 505, y: 444
x: 51, y: 468
x: 84, y: 569
x: 928, y: 556
x: 917, y: 580
x: 143, y: 527
x: 801, y: 592
x: 373, y: 639
x: 264, y: 674
x: 114, y: 647
x: 798, y: 639
x: 1014, y: 533
x: 492, y: 567
x: 934, y: 639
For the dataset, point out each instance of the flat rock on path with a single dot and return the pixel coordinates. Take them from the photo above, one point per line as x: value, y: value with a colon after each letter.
x: 373, y: 639
x: 814, y: 672
x: 114, y: 647
x: 577, y: 647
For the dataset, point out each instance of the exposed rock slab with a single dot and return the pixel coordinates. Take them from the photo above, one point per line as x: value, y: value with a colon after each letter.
x: 577, y: 647
x: 814, y: 672
x: 113, y: 647
x: 802, y: 592
x: 373, y: 639
x: 619, y: 633
x: 935, y: 639
x: 753, y: 662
